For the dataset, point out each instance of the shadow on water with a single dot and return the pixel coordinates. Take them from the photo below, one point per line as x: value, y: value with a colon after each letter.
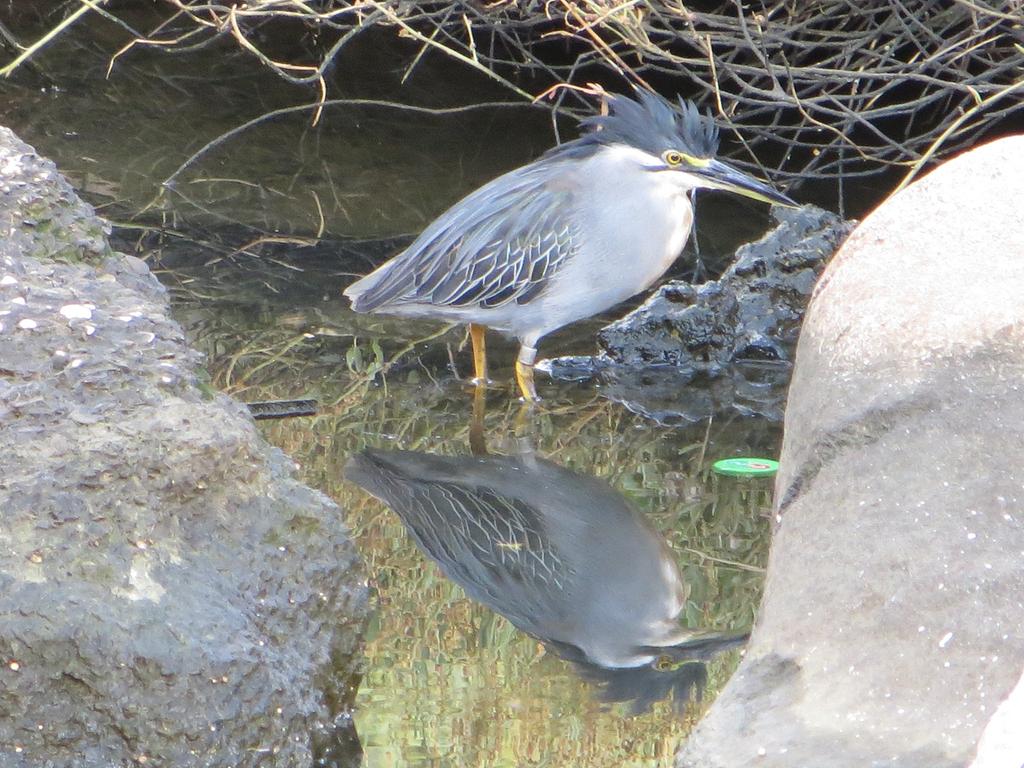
x: 447, y: 680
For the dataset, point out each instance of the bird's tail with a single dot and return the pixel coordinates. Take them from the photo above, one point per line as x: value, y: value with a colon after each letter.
x: 360, y: 293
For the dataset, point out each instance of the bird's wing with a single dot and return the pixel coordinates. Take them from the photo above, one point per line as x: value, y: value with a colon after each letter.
x: 488, y: 531
x: 494, y: 546
x: 502, y: 243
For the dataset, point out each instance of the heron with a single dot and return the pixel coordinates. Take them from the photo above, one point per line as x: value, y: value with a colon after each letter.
x: 589, y: 224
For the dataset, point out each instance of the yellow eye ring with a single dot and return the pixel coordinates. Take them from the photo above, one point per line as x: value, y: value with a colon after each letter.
x: 671, y: 157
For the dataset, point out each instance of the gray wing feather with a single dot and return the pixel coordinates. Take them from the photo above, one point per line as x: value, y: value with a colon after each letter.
x: 500, y: 244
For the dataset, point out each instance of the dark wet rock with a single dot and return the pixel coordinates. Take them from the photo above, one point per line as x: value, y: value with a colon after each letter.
x: 672, y: 396
x: 169, y: 593
x: 735, y: 334
x: 891, y: 629
x: 752, y: 312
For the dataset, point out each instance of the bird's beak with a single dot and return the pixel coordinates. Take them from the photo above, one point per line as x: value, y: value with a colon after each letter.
x: 718, y: 175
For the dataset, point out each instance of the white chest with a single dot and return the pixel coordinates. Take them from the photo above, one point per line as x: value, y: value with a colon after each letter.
x: 632, y: 225
x: 638, y: 241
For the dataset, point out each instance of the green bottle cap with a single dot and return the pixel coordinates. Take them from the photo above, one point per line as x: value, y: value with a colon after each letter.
x: 746, y: 467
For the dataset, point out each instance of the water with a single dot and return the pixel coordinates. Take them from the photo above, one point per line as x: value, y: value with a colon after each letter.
x: 447, y: 677
x: 447, y: 680
x: 256, y: 241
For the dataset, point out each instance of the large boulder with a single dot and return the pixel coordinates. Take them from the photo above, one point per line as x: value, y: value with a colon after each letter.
x: 891, y: 626
x: 169, y: 593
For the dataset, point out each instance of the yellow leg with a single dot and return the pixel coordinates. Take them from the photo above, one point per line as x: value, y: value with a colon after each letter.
x: 524, y: 373
x: 524, y: 378
x: 476, y: 334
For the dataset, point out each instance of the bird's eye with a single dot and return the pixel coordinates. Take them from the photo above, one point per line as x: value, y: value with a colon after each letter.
x: 673, y: 158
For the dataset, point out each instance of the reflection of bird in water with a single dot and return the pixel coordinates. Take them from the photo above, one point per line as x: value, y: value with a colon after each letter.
x: 561, y: 555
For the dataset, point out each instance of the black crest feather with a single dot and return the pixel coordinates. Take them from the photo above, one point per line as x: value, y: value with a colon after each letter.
x: 653, y: 124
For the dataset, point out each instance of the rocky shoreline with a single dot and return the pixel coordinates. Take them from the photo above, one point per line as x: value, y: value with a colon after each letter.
x: 171, y: 594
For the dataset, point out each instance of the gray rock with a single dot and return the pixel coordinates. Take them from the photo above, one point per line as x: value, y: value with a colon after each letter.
x: 891, y: 626
x: 169, y: 593
x: 752, y: 312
